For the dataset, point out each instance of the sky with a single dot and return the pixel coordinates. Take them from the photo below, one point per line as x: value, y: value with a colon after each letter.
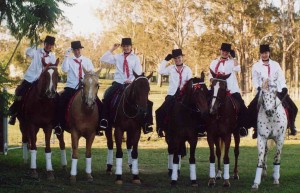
x: 82, y: 16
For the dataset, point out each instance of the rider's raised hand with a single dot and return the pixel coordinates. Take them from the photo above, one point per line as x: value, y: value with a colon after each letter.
x: 115, y: 46
x: 68, y: 52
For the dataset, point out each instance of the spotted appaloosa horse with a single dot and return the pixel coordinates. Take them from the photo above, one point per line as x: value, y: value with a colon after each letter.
x: 82, y: 121
x: 221, y: 124
x: 184, y: 117
x: 271, y: 124
x: 38, y: 111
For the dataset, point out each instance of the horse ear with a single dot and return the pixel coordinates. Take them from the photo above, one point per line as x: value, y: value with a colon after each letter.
x: 57, y: 62
x: 226, y: 76
x: 212, y: 73
x: 135, y: 74
x: 84, y: 70
x: 202, y: 75
x: 150, y: 75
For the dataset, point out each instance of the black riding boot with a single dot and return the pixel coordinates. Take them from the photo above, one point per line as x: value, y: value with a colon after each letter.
x: 100, y: 109
x: 148, y: 121
x: 104, y: 117
x: 13, y: 111
x: 242, y: 115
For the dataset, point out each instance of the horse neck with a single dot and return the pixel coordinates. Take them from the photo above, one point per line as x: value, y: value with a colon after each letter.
x: 79, y: 104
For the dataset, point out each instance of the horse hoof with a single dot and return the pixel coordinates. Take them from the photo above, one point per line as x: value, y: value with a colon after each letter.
x: 194, y: 183
x: 276, y: 182
x: 34, y: 174
x: 64, y: 168
x: 236, y: 177
x: 211, y: 182
x: 255, y: 186
x: 72, y: 179
x: 173, y: 183
x: 50, y: 175
x: 136, y: 181
x: 89, y: 177
x: 119, y: 182
x: 109, y: 172
x: 226, y: 184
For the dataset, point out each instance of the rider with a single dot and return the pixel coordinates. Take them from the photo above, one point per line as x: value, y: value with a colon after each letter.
x: 267, y: 68
x: 125, y: 63
x: 179, y: 74
x: 32, y: 74
x: 226, y: 65
x: 73, y: 66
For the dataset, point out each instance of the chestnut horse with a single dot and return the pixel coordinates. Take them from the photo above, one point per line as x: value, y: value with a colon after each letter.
x: 38, y: 111
x: 82, y: 121
x: 221, y: 123
x: 187, y: 110
x: 129, y: 118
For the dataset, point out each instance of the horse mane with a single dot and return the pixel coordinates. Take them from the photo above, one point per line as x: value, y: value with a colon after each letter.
x: 185, y: 87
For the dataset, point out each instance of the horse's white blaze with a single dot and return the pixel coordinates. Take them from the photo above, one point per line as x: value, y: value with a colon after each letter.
x: 216, y: 89
x: 90, y: 93
x: 50, y: 71
x: 48, y: 162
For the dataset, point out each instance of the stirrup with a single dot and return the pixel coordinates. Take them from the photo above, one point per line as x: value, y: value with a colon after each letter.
x: 103, y: 123
x: 58, y: 130
x: 243, y: 132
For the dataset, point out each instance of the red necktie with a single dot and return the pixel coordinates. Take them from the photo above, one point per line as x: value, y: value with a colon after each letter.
x: 80, y: 68
x: 218, y: 65
x: 180, y: 75
x: 268, y: 65
x: 125, y: 65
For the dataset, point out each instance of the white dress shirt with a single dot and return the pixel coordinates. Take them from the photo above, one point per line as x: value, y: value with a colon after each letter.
x: 260, y: 71
x: 72, y: 68
x: 133, y: 61
x: 36, y: 67
x: 174, y: 77
x: 227, y: 67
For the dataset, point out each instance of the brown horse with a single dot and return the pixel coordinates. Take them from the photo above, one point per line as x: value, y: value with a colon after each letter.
x: 129, y: 118
x: 184, y: 121
x: 38, y: 111
x: 221, y: 123
x: 82, y: 121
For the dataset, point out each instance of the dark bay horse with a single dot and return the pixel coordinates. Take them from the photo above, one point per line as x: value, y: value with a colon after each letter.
x: 221, y: 123
x: 38, y: 111
x: 129, y: 118
x: 186, y: 112
x: 83, y: 120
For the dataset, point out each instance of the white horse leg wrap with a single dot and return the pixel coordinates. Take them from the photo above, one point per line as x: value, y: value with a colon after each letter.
x: 193, y: 172
x: 129, y: 161
x: 33, y: 159
x: 135, y: 168
x: 258, y: 175
x: 48, y: 162
x: 118, y: 166
x: 226, y: 172
x: 179, y: 165
x: 88, y: 165
x: 212, y: 170
x: 276, y: 173
x: 74, y: 167
x: 25, y: 151
x: 170, y: 161
x: 110, y: 156
x: 63, y: 158
x: 174, y: 172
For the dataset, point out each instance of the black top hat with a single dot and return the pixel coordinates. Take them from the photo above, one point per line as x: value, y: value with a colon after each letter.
x: 177, y: 52
x: 76, y: 45
x: 49, y: 40
x: 264, y: 48
x: 225, y: 47
x: 126, y: 41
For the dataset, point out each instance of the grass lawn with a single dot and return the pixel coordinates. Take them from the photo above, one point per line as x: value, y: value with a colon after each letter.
x: 152, y: 165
